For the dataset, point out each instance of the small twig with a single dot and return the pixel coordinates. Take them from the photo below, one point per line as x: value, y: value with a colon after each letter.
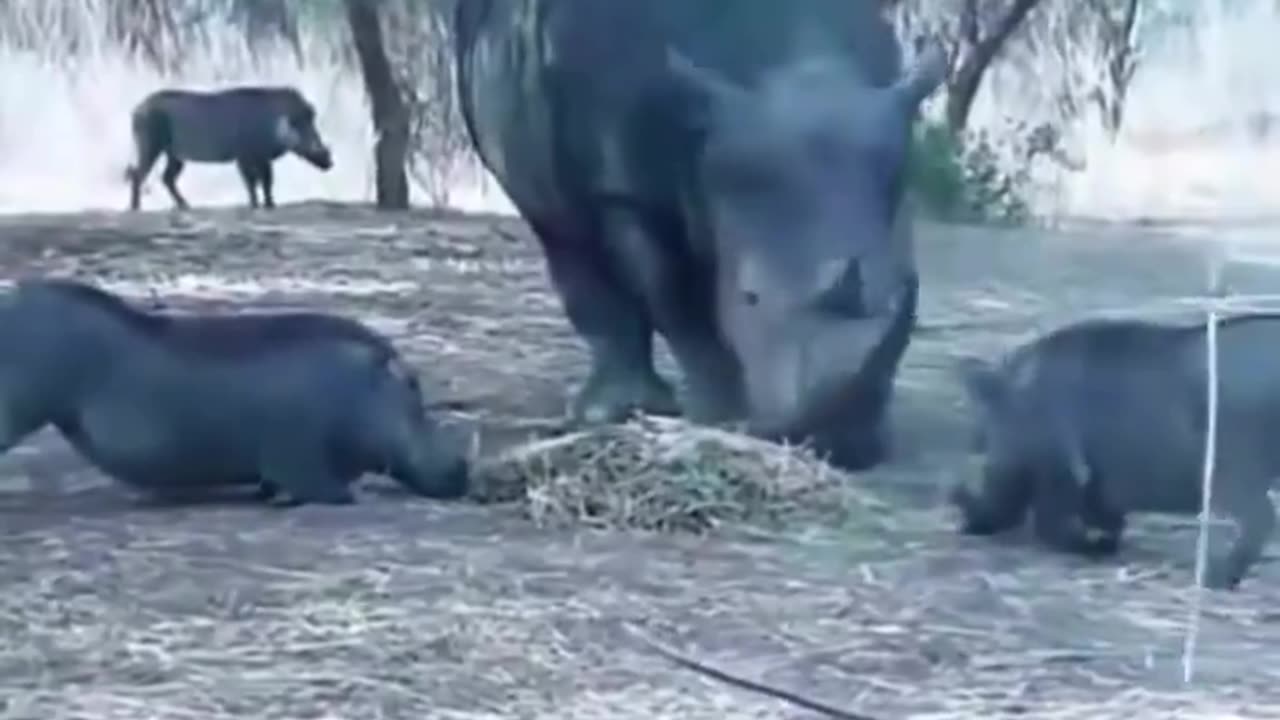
x: 744, y: 683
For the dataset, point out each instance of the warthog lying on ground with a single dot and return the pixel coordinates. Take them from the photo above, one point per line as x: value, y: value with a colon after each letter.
x: 251, y: 126
x: 728, y: 174
x: 295, y: 403
x: 1107, y: 417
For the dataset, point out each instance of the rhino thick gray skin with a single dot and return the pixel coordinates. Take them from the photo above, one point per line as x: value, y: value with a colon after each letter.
x: 252, y: 126
x: 297, y: 403
x: 1107, y: 417
x: 728, y: 174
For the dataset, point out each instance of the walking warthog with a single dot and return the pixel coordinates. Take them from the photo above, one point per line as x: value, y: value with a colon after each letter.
x: 1107, y: 417
x: 251, y: 126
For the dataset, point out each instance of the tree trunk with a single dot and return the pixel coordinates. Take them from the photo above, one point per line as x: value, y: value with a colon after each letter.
x: 1121, y: 66
x: 390, y: 115
x: 264, y: 21
x: 983, y: 48
x: 148, y: 28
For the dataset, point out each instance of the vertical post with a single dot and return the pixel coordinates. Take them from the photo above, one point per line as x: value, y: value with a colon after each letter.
x: 1216, y: 293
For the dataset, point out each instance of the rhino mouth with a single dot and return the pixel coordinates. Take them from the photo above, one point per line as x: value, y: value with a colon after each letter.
x: 839, y: 410
x: 868, y: 349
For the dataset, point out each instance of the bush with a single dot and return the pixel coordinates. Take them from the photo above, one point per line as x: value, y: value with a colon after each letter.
x: 963, y: 180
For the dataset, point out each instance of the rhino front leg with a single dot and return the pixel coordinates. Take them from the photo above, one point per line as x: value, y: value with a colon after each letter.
x: 680, y: 299
x: 612, y: 321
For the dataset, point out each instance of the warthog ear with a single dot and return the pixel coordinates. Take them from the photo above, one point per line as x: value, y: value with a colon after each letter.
x: 984, y: 384
x: 708, y: 86
x: 928, y: 72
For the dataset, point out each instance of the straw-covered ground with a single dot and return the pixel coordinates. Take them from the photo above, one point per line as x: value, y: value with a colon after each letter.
x: 557, y: 604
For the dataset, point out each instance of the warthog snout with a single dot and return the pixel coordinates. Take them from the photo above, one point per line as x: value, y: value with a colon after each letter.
x: 312, y: 149
x: 437, y: 468
x: 304, y: 142
x: 318, y: 155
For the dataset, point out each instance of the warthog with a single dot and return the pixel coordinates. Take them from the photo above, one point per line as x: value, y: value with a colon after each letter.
x: 1107, y: 417
x: 297, y: 403
x: 728, y: 174
x: 251, y: 126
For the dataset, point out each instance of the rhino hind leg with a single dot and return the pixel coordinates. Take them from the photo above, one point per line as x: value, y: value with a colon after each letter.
x: 682, y: 310
x: 612, y: 322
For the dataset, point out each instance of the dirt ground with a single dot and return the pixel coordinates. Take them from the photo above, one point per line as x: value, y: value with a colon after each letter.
x: 399, y: 608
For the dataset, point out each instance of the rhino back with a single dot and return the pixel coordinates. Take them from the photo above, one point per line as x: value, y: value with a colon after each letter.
x: 567, y: 100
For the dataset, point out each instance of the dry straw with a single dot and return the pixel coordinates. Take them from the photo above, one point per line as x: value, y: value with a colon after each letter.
x: 666, y: 474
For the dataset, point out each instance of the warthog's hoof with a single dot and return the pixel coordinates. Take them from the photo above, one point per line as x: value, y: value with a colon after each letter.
x: 1222, y: 575
x: 1099, y: 542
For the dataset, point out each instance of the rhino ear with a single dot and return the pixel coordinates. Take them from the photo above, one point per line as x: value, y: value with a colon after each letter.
x: 709, y: 86
x: 984, y: 384
x: 929, y: 71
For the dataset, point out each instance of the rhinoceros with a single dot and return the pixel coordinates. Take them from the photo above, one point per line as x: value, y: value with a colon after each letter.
x: 729, y: 175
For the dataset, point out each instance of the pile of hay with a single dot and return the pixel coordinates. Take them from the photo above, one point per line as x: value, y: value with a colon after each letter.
x: 666, y: 474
